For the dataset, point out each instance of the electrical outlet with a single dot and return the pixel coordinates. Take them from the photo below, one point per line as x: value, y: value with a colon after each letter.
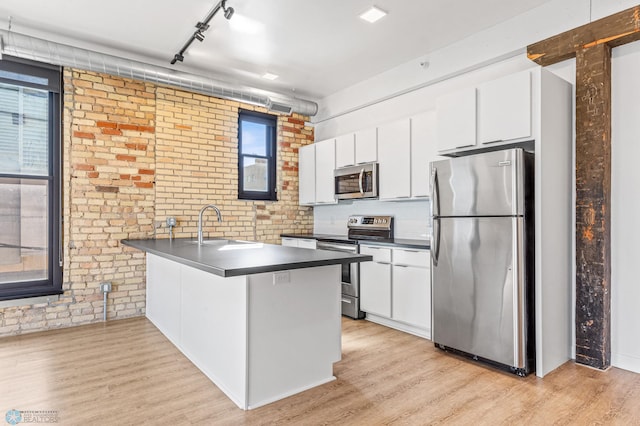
x: 283, y: 277
x: 105, y: 287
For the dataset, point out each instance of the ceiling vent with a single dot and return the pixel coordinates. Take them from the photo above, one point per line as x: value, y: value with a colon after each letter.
x: 279, y: 107
x: 40, y: 50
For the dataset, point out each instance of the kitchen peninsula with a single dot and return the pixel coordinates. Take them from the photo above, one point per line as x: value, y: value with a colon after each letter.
x: 262, y: 321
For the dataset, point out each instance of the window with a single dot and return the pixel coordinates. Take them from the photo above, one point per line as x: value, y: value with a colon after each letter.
x: 256, y: 156
x: 29, y: 180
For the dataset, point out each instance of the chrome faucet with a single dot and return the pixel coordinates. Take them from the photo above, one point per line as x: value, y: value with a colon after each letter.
x: 200, y: 219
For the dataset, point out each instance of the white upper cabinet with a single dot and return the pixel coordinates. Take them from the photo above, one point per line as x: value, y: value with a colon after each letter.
x: 325, y: 165
x: 307, y: 174
x: 504, y: 108
x: 394, y: 159
x: 345, y: 150
x: 423, y: 151
x: 366, y: 146
x: 357, y: 148
x: 456, y: 119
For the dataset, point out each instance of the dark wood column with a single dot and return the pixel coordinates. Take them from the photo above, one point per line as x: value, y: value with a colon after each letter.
x: 593, y: 201
x: 591, y: 46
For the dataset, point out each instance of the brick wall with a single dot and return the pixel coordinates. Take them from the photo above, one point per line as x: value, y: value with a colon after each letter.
x: 134, y: 154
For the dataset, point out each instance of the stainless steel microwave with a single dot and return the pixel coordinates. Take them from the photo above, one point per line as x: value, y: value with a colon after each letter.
x: 359, y: 181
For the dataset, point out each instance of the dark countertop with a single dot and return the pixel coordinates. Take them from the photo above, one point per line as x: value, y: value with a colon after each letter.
x: 395, y: 242
x: 230, y: 258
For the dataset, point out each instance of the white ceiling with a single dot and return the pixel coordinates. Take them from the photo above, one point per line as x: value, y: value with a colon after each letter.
x: 317, y: 47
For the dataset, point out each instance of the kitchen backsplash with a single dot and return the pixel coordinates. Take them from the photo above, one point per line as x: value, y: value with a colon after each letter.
x: 411, y: 218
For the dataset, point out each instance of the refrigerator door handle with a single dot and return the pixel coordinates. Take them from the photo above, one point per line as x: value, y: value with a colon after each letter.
x: 435, y: 193
x: 435, y: 241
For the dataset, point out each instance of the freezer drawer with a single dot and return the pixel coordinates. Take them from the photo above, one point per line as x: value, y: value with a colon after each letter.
x: 478, y: 288
x: 488, y: 184
x: 351, y: 307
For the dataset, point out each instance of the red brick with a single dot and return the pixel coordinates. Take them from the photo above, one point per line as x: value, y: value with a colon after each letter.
x: 107, y: 125
x: 123, y: 126
x: 146, y: 172
x: 83, y: 135
x: 136, y: 146
x: 182, y: 127
x: 291, y: 129
x: 147, y: 129
x: 86, y: 167
x: 114, y: 132
x: 93, y: 175
x: 125, y: 177
x: 143, y: 184
x: 295, y: 121
x: 123, y: 157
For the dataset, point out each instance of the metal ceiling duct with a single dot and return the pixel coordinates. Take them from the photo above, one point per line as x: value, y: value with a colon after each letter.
x: 37, y: 49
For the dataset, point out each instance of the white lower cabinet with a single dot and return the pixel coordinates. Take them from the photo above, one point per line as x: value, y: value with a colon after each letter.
x: 395, y: 288
x: 411, y: 298
x: 375, y: 281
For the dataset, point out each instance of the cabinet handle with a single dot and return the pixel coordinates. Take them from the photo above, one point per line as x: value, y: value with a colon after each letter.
x: 384, y: 263
x: 401, y: 266
x: 346, y: 301
x: 410, y: 251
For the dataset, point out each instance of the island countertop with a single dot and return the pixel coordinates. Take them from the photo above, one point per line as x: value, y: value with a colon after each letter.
x: 231, y: 258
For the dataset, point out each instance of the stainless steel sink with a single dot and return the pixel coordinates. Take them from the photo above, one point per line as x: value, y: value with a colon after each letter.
x: 213, y: 242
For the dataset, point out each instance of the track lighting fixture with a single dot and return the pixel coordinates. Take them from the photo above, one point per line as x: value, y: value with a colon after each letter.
x: 203, y: 26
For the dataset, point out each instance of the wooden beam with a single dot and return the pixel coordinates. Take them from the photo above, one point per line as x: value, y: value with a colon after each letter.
x: 593, y: 206
x: 615, y: 30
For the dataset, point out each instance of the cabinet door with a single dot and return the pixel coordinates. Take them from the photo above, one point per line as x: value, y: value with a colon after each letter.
x: 504, y: 108
x: 325, y: 165
x: 394, y: 159
x: 412, y: 296
x: 345, y: 150
x: 307, y: 174
x: 423, y: 151
x: 456, y: 119
x: 367, y: 146
x: 375, y: 288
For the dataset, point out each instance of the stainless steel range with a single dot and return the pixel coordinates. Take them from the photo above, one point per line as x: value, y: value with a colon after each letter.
x: 369, y: 228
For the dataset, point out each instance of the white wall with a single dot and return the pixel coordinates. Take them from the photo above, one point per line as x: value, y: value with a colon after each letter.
x: 625, y: 205
x: 409, y: 89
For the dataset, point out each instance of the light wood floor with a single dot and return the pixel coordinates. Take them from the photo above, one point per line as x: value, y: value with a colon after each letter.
x: 126, y: 372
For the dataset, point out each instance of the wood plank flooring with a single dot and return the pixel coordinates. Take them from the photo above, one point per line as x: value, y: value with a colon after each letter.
x: 125, y: 372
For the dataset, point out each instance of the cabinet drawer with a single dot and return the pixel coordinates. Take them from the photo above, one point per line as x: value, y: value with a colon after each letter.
x: 411, y: 257
x: 307, y: 243
x: 380, y: 254
x: 289, y: 242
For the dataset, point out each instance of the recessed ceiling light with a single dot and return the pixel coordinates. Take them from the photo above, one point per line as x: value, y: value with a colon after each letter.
x: 373, y: 14
x: 269, y: 76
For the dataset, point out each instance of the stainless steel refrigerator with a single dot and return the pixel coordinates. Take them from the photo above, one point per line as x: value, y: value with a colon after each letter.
x: 482, y: 258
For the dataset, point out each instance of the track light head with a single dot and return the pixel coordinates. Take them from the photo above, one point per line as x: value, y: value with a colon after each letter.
x: 199, y: 36
x: 228, y: 12
x: 177, y: 57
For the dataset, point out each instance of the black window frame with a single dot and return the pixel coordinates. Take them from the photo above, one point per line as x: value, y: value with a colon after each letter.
x: 271, y: 121
x: 53, y: 75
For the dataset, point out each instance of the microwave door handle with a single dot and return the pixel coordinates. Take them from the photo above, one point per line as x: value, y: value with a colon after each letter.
x: 360, y: 180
